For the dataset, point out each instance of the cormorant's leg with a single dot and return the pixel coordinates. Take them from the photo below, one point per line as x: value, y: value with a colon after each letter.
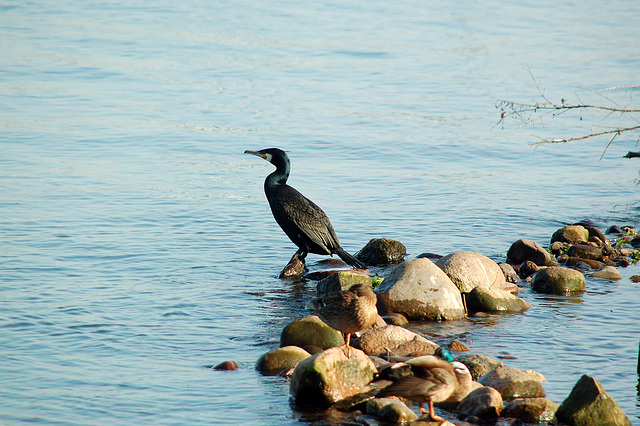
x: 300, y: 254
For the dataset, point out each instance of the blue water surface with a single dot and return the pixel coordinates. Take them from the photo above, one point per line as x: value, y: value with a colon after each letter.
x: 137, y: 246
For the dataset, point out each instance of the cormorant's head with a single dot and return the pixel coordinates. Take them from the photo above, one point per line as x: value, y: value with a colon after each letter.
x: 275, y: 156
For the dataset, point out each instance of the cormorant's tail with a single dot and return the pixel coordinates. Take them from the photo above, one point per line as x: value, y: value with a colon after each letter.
x: 350, y: 259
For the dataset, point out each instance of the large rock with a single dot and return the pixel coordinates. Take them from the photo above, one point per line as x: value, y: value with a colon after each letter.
x: 484, y: 403
x: 382, y: 251
x: 483, y: 299
x: 558, y: 280
x: 420, y: 290
x: 523, y: 250
x: 342, y: 280
x: 589, y: 405
x: 531, y: 410
x: 585, y: 251
x: 513, y: 383
x: 398, y: 340
x: 571, y: 234
x: 309, y: 333
x: 273, y: 362
x: 468, y: 269
x: 330, y: 376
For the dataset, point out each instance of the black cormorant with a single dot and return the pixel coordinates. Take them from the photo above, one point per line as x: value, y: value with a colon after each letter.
x: 300, y: 218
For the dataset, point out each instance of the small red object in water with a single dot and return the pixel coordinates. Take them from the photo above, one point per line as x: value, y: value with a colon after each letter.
x: 227, y: 365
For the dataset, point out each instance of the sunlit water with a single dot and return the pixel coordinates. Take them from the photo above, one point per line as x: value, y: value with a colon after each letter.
x: 137, y: 246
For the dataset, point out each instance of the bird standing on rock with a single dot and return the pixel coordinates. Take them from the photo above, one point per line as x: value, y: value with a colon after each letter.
x: 306, y: 225
x: 422, y: 379
x: 348, y: 311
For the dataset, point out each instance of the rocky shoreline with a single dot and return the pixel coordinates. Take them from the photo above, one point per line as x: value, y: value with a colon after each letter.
x: 442, y: 288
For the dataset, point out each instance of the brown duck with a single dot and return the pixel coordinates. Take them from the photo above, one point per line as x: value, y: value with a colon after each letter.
x: 422, y: 379
x: 348, y: 311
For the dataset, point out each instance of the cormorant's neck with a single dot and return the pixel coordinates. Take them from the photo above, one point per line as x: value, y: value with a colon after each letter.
x: 280, y: 175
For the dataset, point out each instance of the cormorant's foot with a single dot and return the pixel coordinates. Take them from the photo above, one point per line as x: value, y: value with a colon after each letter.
x: 294, y: 269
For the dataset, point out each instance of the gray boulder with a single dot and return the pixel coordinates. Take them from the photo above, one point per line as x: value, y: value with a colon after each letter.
x: 513, y: 383
x: 398, y: 340
x: 420, y: 290
x: 479, y: 364
x: 589, y: 405
x: 468, y: 269
x: 558, y: 280
x: 390, y: 410
x: 607, y: 273
x: 483, y: 403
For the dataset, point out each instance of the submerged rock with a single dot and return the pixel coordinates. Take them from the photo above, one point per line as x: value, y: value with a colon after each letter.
x: 294, y: 269
x: 342, y: 280
x: 589, y: 405
x: 310, y: 331
x: 330, y: 376
x: 531, y: 410
x: 468, y: 270
x: 419, y: 289
x: 277, y: 360
x: 382, y: 251
x: 513, y: 383
x: 523, y: 250
x: 226, y: 366
x: 398, y: 340
x: 558, y: 280
x: 482, y: 299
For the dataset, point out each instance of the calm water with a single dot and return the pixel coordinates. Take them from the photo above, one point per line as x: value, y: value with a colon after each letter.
x: 135, y: 235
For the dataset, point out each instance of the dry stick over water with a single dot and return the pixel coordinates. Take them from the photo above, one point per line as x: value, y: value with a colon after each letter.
x: 532, y: 114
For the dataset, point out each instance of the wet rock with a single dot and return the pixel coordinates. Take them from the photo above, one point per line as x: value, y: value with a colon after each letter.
x: 558, y: 248
x: 294, y: 269
x: 391, y: 410
x: 330, y: 376
x: 310, y: 331
x: 398, y: 340
x: 342, y: 280
x: 510, y: 275
x: 528, y: 268
x: 457, y: 346
x: 484, y: 403
x: 607, y: 273
x: 585, y: 252
x: 482, y: 299
x: 277, y: 360
x: 558, y: 280
x: 382, y: 251
x: 227, y: 366
x: 592, y: 264
x: 595, y: 233
x: 513, y: 383
x: 431, y: 256
x: 589, y: 405
x: 418, y: 289
x: 468, y: 270
x: 478, y: 364
x: 614, y: 229
x: 523, y: 250
x: 571, y: 234
x: 531, y: 410
x: 396, y: 319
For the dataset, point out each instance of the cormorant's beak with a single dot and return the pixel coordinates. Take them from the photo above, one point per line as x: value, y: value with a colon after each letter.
x: 259, y: 154
x: 262, y: 155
